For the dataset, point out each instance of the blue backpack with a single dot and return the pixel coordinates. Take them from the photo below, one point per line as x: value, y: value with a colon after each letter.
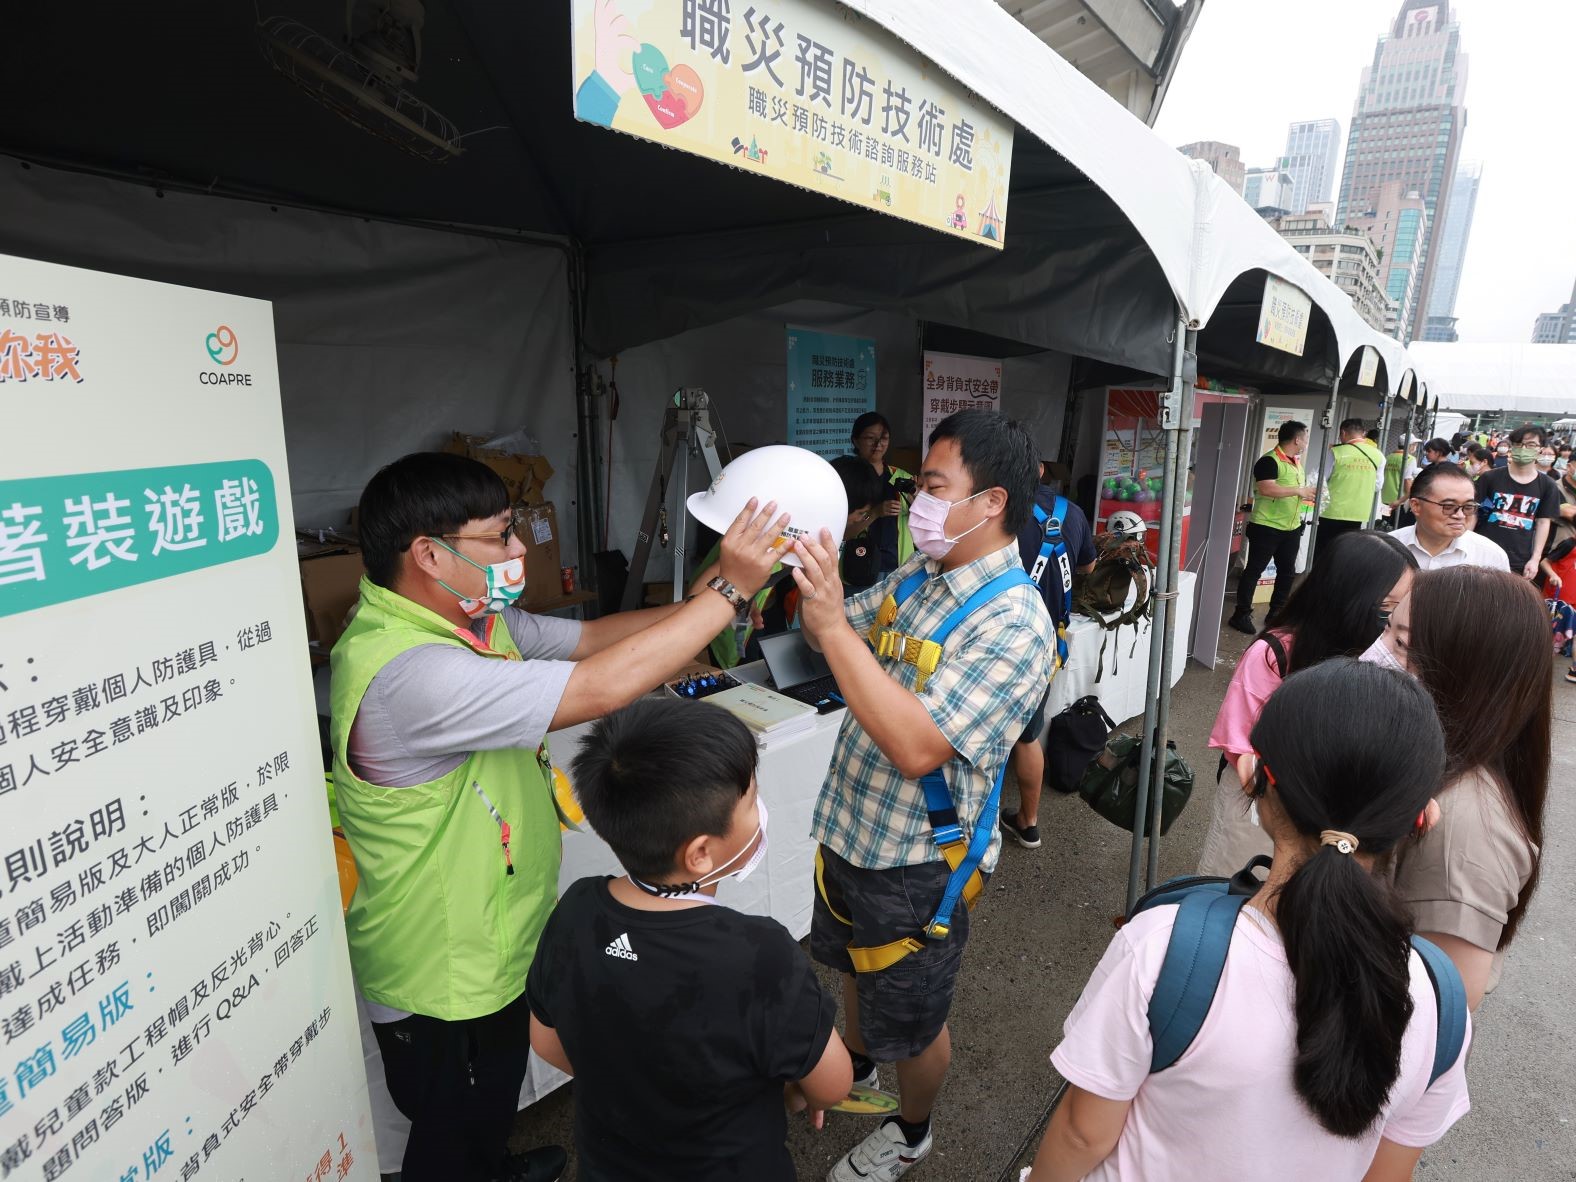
x: 1196, y: 956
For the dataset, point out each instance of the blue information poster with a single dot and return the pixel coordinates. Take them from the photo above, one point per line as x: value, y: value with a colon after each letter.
x: 831, y: 382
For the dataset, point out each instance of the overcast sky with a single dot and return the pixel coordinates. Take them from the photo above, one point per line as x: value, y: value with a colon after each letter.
x: 1254, y: 66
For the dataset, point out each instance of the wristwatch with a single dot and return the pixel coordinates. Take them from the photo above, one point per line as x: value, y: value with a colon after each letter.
x: 729, y: 592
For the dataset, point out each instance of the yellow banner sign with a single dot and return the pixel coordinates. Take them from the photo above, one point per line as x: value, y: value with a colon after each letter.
x: 805, y: 91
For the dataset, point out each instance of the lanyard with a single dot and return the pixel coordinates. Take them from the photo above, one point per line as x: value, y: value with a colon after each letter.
x: 503, y: 826
x: 683, y: 890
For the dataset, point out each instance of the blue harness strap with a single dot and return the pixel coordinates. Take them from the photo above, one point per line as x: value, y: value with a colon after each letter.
x: 946, y: 828
x: 1053, y: 547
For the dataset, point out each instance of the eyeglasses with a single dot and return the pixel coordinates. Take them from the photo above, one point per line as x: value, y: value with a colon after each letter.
x: 1463, y: 509
x: 502, y: 538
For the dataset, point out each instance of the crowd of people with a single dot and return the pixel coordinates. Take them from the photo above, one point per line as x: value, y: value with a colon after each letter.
x: 1384, y: 747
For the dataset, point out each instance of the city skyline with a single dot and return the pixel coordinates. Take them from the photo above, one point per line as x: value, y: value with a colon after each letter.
x: 1505, y: 281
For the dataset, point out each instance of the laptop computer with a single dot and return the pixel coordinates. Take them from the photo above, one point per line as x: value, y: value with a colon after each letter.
x: 799, y: 672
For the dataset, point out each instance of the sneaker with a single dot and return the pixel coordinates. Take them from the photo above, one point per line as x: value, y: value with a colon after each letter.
x: 871, y: 1080
x: 1243, y: 622
x: 1028, y: 836
x: 1570, y: 674
x: 881, y: 1157
x: 545, y: 1163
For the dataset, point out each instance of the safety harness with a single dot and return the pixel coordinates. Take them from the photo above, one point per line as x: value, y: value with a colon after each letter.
x: 1054, y: 547
x: 963, y: 856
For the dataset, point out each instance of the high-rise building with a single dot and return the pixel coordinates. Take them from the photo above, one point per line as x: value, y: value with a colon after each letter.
x: 1225, y: 159
x: 1407, y: 126
x: 1557, y: 328
x: 1269, y: 188
x: 1312, y: 157
x: 1345, y: 256
x: 1451, y: 243
x: 1441, y: 329
x: 1398, y: 224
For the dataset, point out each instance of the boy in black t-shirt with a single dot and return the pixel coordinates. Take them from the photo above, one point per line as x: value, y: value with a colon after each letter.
x: 688, y: 1026
x: 1517, y: 504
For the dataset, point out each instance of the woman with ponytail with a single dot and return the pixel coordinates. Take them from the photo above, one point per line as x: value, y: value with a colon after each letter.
x: 1478, y: 641
x: 1314, y: 1060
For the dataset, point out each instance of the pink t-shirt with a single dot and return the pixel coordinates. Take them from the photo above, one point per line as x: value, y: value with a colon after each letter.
x: 1251, y: 685
x: 1227, y: 1107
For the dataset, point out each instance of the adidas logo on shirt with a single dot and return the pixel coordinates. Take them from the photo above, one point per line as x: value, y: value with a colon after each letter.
x: 621, y: 948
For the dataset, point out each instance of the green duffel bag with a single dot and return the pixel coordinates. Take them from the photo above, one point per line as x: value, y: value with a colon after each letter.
x: 1110, y: 783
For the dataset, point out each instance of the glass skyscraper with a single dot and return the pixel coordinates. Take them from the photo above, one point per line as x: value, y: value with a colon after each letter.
x: 1312, y: 156
x: 1406, y: 129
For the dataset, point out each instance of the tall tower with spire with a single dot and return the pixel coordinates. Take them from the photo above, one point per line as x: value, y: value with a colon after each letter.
x: 1407, y: 126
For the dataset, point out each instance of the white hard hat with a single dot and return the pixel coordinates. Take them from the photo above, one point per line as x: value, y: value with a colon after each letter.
x: 805, y: 487
x: 1127, y: 523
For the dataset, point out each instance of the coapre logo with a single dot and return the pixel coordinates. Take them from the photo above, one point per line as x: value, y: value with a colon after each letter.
x: 222, y: 345
x: 224, y: 348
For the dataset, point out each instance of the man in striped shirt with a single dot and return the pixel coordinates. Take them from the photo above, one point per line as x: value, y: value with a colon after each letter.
x: 882, y: 873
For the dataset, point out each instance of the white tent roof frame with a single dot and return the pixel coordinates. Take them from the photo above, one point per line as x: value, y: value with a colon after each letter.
x: 1514, y: 378
x: 1202, y: 234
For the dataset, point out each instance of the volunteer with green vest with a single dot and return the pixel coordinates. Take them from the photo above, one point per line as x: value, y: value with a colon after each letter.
x: 1356, y: 471
x: 442, y: 697
x: 1275, y: 526
x: 871, y: 436
x: 1400, y: 468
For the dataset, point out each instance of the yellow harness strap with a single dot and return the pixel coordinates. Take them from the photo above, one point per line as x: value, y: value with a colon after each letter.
x: 884, y: 956
x: 924, y: 655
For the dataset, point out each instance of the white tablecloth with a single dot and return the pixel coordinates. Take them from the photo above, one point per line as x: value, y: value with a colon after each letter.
x: 1124, y: 684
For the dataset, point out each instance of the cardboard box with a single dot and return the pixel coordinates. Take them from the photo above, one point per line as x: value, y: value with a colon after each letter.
x: 329, y: 587
x: 525, y: 476
x: 538, y: 529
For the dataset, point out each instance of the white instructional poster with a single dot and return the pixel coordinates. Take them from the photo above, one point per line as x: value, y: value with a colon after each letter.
x: 954, y: 382
x: 175, y: 996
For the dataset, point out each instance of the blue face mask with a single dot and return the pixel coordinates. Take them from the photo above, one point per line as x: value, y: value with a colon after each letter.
x: 505, y: 582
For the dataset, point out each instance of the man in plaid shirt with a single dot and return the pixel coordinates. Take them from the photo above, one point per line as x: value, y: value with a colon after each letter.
x: 883, y: 875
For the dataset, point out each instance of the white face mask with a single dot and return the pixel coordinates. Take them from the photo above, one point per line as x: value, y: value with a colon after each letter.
x: 927, y: 523
x: 1378, y: 653
x: 755, y: 858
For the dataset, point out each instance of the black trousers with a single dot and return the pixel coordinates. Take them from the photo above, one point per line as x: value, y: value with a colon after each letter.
x: 1266, y: 543
x: 1329, y: 527
x: 459, y: 1085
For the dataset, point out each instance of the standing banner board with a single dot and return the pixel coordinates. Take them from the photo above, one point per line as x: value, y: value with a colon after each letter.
x: 1283, y: 316
x: 174, y: 983
x: 831, y: 382
x: 806, y: 91
x: 1368, y: 368
x: 954, y: 382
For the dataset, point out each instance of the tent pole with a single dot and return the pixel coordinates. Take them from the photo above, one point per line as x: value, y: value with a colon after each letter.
x: 1386, y: 406
x: 1318, y: 475
x: 1183, y: 433
x: 1168, y: 519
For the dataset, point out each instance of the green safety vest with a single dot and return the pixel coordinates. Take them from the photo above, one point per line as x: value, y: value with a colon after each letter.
x: 1280, y: 512
x: 437, y: 925
x: 1394, y: 465
x: 1351, y: 482
x: 905, y: 540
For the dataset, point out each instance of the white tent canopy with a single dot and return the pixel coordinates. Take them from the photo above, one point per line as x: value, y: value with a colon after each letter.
x: 1519, y: 379
x: 1202, y: 234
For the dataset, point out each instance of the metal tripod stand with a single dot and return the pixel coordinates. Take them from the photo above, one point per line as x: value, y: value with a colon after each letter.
x: 686, y: 429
